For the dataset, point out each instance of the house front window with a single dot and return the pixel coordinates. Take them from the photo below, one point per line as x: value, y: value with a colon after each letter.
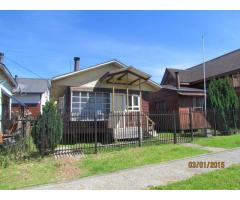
x: 61, y: 105
x: 89, y: 103
x: 134, y: 102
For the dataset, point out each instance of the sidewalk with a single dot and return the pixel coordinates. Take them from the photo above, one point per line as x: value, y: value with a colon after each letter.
x: 146, y: 176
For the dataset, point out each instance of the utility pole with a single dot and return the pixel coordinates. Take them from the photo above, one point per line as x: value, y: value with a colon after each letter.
x: 204, y: 81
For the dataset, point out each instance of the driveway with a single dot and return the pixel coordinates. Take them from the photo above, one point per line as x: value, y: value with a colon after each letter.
x: 149, y: 175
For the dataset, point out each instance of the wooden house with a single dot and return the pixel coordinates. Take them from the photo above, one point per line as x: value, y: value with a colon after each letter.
x: 111, y: 93
x: 182, y: 89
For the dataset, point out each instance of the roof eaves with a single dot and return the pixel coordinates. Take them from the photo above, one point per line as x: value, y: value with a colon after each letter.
x: 195, y: 66
x: 88, y: 68
x: 8, y: 74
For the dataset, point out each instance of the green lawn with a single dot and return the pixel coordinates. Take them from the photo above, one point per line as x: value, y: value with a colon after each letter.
x: 230, y: 141
x: 47, y: 170
x: 228, y: 179
x: 133, y: 157
x: 28, y: 173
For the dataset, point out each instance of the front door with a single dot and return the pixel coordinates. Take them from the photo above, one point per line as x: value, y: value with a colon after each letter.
x: 119, y: 110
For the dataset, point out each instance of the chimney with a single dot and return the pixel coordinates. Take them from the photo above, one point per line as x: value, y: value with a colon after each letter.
x: 1, y: 57
x: 177, y: 80
x: 76, y: 64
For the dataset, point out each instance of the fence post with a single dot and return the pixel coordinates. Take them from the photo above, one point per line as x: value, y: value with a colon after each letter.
x: 139, y: 130
x: 175, y: 128
x: 215, y: 124
x: 23, y: 131
x: 234, y: 121
x: 95, y: 133
x: 191, y: 123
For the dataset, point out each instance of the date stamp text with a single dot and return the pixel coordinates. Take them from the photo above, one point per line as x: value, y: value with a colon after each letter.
x: 203, y: 164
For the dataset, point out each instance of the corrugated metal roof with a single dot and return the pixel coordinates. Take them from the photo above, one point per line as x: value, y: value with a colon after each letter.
x: 31, y: 85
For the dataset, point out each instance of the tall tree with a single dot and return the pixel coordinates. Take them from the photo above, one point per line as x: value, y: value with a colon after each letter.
x: 223, y: 97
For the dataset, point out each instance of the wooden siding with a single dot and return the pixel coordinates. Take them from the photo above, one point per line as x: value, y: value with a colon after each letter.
x: 33, y: 109
x: 181, y: 105
x: 198, y: 119
x: 163, y: 96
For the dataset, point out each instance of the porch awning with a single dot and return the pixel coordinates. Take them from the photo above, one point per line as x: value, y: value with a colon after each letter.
x: 126, y: 76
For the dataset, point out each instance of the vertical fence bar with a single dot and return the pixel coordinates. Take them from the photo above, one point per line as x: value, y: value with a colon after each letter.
x: 139, y: 130
x: 234, y: 121
x: 95, y: 133
x: 191, y: 123
x: 174, y: 128
x: 214, y: 122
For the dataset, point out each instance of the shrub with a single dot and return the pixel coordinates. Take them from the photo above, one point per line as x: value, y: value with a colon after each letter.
x: 48, y: 130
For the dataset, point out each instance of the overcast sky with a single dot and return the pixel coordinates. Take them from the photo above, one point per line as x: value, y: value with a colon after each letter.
x: 45, y: 42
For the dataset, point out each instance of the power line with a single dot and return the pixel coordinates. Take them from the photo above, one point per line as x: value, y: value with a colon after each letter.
x: 25, y: 68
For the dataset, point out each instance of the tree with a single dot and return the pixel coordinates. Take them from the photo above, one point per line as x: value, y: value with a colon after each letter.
x: 48, y: 129
x: 223, y: 98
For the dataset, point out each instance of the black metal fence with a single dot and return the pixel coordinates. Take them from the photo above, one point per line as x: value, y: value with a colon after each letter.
x: 93, y: 132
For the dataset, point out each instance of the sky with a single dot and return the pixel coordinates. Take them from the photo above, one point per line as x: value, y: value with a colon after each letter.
x: 43, y: 43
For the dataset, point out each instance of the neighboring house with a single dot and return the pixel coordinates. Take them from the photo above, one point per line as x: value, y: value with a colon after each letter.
x: 179, y: 99
x: 174, y: 97
x: 183, y: 89
x: 7, y: 85
x: 107, y: 88
x: 33, y: 93
x: 227, y: 65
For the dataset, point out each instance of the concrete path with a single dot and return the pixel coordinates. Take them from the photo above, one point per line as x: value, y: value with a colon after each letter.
x: 150, y: 175
x: 211, y: 149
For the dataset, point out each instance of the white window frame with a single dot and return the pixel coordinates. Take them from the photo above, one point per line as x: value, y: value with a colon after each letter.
x: 95, y: 102
x: 61, y: 104
x: 132, y: 107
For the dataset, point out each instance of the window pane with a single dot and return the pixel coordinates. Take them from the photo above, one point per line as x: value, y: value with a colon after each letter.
x: 99, y: 100
x: 76, y: 94
x: 106, y: 95
x: 91, y: 94
x: 83, y: 105
x: 75, y: 110
x: 135, y: 101
x: 106, y: 100
x: 106, y: 106
x: 84, y: 94
x: 99, y: 94
x: 200, y: 102
x: 98, y: 107
x: 84, y: 100
x: 75, y: 99
x: 75, y: 105
x: 130, y: 100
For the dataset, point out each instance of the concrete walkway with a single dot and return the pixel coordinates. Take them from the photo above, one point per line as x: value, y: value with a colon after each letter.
x: 211, y: 149
x: 150, y: 175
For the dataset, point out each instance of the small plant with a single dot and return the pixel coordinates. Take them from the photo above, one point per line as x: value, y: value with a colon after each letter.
x: 48, y: 130
x: 4, y: 161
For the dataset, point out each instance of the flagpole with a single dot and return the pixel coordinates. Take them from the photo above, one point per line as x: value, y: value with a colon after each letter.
x: 204, y: 80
